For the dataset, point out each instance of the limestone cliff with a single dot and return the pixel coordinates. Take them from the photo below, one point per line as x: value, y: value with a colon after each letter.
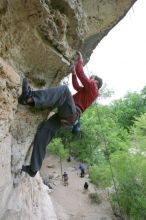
x: 38, y: 39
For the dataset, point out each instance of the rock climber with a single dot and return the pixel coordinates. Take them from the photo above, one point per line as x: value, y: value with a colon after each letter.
x: 69, y: 109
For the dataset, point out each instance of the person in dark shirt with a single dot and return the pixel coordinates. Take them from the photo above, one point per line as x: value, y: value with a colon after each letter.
x: 65, y: 178
x: 86, y: 185
x: 69, y: 109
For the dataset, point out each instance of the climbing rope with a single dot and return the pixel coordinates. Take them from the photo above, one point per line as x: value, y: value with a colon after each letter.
x: 110, y: 165
x: 108, y: 158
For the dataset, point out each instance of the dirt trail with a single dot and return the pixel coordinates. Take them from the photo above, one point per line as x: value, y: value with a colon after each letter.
x: 72, y: 202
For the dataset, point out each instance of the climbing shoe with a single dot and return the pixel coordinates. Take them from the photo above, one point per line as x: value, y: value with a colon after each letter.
x: 27, y: 169
x: 26, y: 92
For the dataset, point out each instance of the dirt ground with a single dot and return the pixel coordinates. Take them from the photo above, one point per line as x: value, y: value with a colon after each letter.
x: 72, y: 202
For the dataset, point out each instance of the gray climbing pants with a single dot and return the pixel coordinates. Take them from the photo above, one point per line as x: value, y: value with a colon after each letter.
x: 45, y: 132
x: 57, y: 97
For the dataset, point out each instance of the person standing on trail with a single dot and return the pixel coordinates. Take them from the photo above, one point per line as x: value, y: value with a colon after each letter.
x: 69, y: 109
x: 82, y: 169
x: 65, y: 179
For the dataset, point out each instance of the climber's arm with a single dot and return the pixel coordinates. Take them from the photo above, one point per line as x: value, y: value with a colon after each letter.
x: 80, y: 72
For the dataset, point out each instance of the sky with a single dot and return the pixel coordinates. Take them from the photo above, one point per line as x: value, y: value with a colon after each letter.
x: 120, y: 58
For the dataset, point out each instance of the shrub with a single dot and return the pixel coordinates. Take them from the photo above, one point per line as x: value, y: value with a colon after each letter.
x: 130, y: 174
x: 100, y: 175
x: 94, y: 198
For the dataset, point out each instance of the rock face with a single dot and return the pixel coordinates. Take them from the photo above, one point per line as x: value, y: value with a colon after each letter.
x: 22, y: 197
x: 38, y: 39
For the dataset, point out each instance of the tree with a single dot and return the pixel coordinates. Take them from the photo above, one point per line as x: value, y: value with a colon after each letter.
x: 138, y: 133
x: 129, y: 107
x: 56, y: 147
x: 130, y: 175
x: 100, y: 135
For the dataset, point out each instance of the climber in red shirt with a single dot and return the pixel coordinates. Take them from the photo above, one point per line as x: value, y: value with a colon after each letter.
x: 69, y: 109
x: 89, y: 91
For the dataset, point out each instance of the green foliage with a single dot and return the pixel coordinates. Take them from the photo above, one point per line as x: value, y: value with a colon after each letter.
x: 111, y: 136
x: 138, y: 132
x: 100, y: 136
x: 129, y: 107
x: 100, y: 175
x: 56, y: 147
x: 143, y: 94
x: 130, y: 175
x: 108, y: 132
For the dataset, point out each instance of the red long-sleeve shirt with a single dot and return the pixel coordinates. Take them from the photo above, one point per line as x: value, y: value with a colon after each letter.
x: 87, y: 93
